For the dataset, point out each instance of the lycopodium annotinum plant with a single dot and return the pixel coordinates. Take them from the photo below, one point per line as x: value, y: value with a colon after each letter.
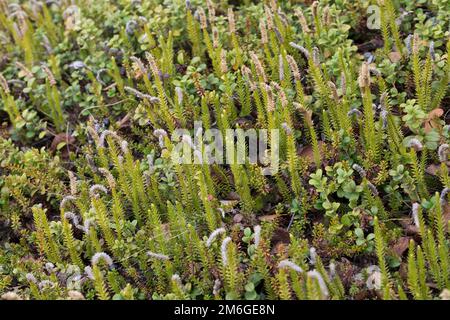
x: 119, y: 193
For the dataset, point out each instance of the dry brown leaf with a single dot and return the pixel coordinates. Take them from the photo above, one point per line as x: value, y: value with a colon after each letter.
x: 61, y: 137
x: 446, y: 214
x: 432, y: 169
x: 410, y: 229
x: 401, y: 245
x: 268, y: 218
x: 124, y: 122
x: 238, y: 218
x: 280, y: 235
x: 430, y: 122
x: 308, y: 153
x: 395, y: 56
x: 436, y: 113
x: 233, y: 196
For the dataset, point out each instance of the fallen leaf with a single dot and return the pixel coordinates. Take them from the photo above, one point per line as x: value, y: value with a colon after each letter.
x: 431, y: 121
x: 432, y: 169
x: 268, y: 218
x: 410, y: 229
x: 280, y: 235
x: 61, y: 138
x: 401, y: 245
x: 124, y: 122
x: 395, y: 56
x: 436, y: 113
x: 238, y: 218
x: 308, y: 153
x: 233, y: 196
